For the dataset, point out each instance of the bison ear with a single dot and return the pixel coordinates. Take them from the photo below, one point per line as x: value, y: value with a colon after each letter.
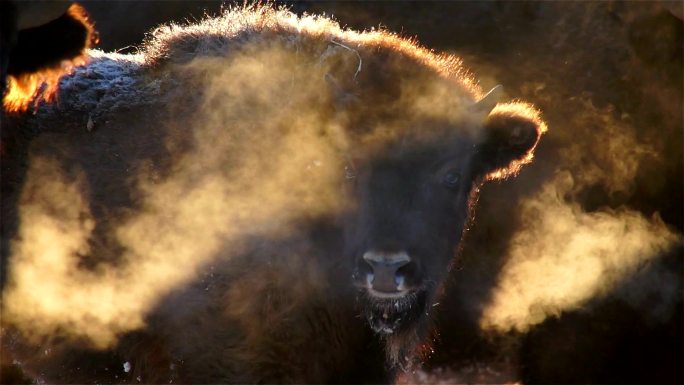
x: 511, y: 133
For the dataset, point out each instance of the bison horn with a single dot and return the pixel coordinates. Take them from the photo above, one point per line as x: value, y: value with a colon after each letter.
x: 488, y: 101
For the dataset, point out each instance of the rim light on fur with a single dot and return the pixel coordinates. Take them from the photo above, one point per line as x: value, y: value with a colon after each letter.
x: 31, y: 89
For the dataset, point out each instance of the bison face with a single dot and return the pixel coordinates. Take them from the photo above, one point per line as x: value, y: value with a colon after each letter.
x: 413, y: 202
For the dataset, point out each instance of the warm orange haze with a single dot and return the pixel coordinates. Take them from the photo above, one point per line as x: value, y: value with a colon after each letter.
x: 270, y: 195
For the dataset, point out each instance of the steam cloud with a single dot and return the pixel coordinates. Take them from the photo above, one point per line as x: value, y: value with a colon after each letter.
x: 565, y: 256
x: 234, y: 181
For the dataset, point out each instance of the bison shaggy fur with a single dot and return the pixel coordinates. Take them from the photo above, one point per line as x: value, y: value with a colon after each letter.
x: 274, y: 198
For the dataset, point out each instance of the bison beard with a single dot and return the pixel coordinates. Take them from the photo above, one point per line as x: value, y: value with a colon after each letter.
x: 209, y: 199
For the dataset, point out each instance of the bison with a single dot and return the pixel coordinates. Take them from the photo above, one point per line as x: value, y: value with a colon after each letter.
x: 258, y: 197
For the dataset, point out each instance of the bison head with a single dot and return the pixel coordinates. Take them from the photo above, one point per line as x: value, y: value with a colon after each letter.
x: 414, y: 199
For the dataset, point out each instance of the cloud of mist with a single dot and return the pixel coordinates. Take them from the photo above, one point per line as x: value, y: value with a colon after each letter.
x: 563, y: 253
x: 235, y: 180
x: 564, y: 256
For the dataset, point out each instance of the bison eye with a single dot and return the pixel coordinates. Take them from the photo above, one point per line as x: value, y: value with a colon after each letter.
x: 451, y: 179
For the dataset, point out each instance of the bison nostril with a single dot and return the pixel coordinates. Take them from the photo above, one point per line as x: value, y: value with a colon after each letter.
x: 370, y: 277
x: 408, y: 270
x: 399, y: 280
x: 384, y: 275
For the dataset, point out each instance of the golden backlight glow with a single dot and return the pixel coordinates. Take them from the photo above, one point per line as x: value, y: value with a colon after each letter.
x: 234, y: 184
x: 527, y: 111
x: 28, y: 89
x: 564, y: 257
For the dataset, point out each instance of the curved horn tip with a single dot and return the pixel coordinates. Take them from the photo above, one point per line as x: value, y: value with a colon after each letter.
x: 489, y: 100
